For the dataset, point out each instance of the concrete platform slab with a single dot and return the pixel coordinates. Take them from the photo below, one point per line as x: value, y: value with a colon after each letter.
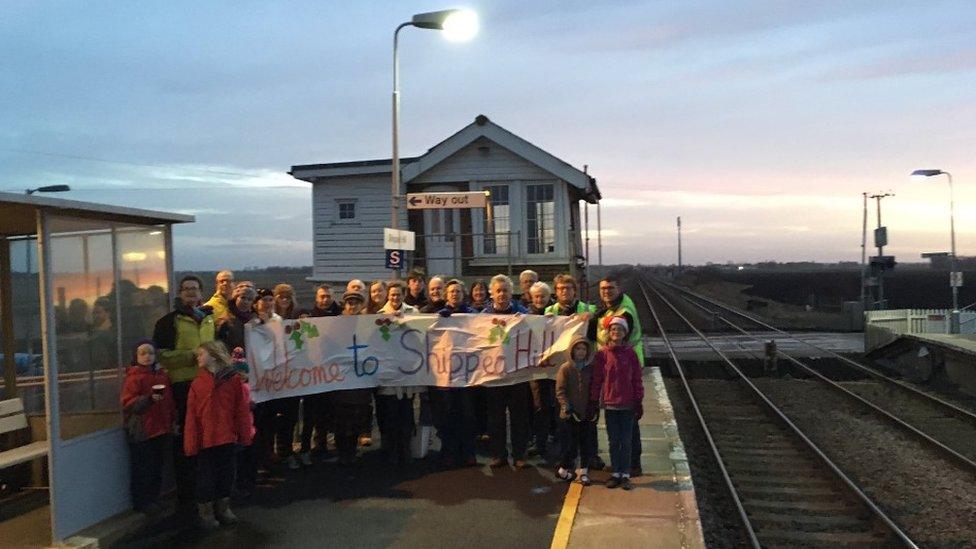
x: 633, y: 533
x: 661, y: 510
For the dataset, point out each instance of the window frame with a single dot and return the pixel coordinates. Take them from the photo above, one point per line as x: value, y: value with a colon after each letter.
x: 555, y: 219
x: 509, y: 244
x: 340, y: 202
x: 518, y: 195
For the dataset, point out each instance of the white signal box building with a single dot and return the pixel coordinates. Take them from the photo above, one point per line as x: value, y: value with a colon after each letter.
x: 532, y: 219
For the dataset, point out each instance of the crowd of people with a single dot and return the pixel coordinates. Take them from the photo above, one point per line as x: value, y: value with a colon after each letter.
x: 186, y: 392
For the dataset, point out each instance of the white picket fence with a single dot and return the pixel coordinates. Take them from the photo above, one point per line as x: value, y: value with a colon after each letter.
x: 920, y: 321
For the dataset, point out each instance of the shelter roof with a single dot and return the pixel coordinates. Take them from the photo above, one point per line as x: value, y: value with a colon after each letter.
x: 17, y: 212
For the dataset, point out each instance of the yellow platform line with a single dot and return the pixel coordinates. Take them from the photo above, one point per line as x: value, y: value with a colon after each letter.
x: 560, y: 538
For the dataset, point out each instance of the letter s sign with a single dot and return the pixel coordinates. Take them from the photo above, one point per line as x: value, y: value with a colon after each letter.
x: 394, y: 259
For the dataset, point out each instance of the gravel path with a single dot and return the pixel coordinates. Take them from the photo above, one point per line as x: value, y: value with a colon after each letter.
x: 947, y: 428
x: 929, y: 496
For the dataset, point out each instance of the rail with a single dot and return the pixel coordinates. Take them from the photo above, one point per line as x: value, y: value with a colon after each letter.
x: 726, y: 478
x: 904, y: 425
x: 781, y: 416
x: 945, y: 405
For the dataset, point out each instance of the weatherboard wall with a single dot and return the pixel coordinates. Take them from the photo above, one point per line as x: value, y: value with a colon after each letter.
x: 345, y: 249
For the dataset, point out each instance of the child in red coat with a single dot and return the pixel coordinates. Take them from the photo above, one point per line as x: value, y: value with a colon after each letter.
x: 149, y: 412
x: 217, y: 419
x: 618, y: 388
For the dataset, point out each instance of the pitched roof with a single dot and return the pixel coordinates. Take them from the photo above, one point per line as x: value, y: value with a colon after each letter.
x: 481, y: 127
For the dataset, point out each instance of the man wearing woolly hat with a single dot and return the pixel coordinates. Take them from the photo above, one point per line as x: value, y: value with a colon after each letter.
x: 613, y: 304
x: 618, y: 389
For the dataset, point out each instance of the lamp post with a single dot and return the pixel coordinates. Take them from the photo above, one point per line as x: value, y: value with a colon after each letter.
x: 458, y: 25
x: 955, y: 277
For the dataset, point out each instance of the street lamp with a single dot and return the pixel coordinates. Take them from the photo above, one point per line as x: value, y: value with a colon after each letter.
x: 458, y: 25
x: 49, y: 189
x: 955, y: 278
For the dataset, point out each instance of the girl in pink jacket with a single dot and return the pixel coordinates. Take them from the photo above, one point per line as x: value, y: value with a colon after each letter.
x: 618, y: 389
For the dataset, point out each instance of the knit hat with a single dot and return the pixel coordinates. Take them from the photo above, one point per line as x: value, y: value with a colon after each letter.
x: 237, y: 353
x: 619, y: 321
x: 239, y: 362
x: 135, y: 350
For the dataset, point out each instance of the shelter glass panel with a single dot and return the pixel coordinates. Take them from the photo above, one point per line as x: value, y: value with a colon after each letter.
x: 498, y: 224
x: 86, y: 325
x: 26, y: 309
x: 143, y: 283
x: 541, y: 219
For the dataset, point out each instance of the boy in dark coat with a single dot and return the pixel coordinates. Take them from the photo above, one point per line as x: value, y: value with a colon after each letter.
x: 577, y: 428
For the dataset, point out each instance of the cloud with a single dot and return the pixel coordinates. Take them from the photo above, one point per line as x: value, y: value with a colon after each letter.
x: 201, y: 211
x: 248, y: 243
x: 638, y: 199
x: 907, y: 64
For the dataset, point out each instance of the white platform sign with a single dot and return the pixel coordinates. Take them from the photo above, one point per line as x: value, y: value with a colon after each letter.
x: 395, y: 239
x: 430, y: 201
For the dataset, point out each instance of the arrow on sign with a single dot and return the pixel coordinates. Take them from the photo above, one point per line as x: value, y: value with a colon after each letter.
x: 414, y: 201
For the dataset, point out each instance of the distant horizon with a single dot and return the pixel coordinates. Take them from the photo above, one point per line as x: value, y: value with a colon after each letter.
x: 309, y: 267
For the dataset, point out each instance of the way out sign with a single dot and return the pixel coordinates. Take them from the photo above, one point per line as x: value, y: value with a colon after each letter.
x: 394, y: 259
x: 430, y: 201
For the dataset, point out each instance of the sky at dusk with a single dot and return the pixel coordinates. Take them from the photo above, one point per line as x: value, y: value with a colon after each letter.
x: 760, y: 123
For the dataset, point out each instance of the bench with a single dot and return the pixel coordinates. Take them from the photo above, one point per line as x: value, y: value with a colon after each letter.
x: 13, y: 418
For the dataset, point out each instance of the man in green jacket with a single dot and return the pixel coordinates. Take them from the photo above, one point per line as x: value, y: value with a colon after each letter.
x: 613, y: 303
x: 177, y: 336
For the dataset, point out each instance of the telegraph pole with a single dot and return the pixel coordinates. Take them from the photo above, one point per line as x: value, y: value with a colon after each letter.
x: 880, y: 264
x: 864, y: 258
x: 679, y: 244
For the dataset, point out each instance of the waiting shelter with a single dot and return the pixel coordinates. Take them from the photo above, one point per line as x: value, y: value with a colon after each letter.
x: 80, y: 283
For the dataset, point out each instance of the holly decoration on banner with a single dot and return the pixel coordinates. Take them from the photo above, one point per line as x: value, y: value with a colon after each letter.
x: 498, y: 331
x: 387, y: 325
x: 299, y: 330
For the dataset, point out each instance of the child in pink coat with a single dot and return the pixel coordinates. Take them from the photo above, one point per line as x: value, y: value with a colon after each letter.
x: 617, y: 388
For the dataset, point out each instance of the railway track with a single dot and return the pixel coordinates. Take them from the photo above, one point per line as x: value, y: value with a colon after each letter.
x: 945, y: 427
x: 786, y: 491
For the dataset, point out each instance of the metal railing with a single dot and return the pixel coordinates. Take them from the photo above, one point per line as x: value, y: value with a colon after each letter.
x: 916, y: 321
x: 512, y: 245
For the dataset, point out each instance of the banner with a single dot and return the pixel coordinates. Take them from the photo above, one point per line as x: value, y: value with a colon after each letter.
x: 314, y: 355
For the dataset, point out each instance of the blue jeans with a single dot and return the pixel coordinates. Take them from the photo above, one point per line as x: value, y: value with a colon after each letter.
x: 620, y: 427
